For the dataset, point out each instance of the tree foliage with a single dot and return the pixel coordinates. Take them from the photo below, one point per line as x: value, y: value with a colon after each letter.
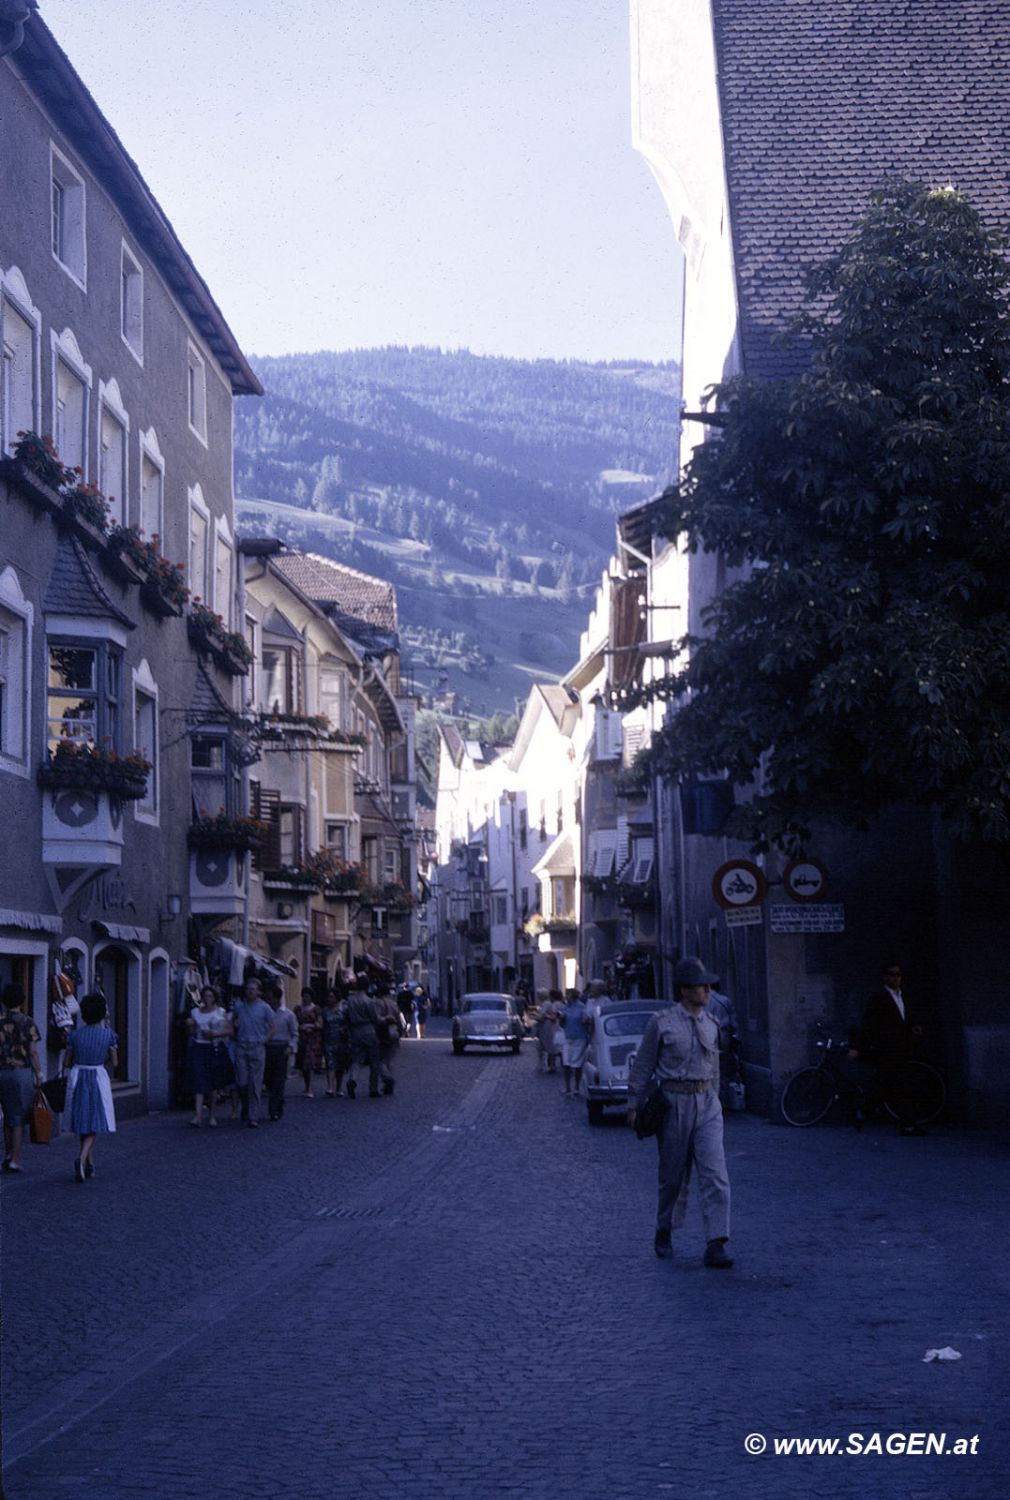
x: 861, y: 655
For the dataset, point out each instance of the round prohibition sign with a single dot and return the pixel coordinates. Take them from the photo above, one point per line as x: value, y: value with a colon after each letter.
x: 805, y: 879
x: 739, y: 883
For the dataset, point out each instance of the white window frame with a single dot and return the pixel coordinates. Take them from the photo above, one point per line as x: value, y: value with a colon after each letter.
x: 148, y: 809
x: 14, y: 291
x: 109, y: 400
x: 72, y: 258
x: 199, y: 587
x: 223, y: 538
x: 131, y: 302
x: 150, y: 451
x: 65, y: 350
x: 15, y: 726
x: 196, y: 391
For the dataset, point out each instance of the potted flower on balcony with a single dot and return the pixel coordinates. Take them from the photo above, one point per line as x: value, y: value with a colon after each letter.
x: 80, y: 764
x: 163, y: 583
x: 299, y: 880
x: 396, y: 897
x: 336, y: 877
x: 209, y: 633
x: 35, y: 469
x: 220, y: 831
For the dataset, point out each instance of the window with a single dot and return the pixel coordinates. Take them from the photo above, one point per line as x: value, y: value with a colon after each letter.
x: 199, y: 544
x: 390, y: 865
x: 292, y: 820
x: 131, y: 303
x: 67, y: 217
x: 523, y: 832
x: 19, y: 382
x: 543, y: 822
x: 336, y: 840
x: 152, y: 493
x: 197, y: 393
x: 560, y: 813
x: 524, y: 901
x: 70, y: 410
x: 281, y: 679
x: 84, y: 694
x: 224, y: 586
x: 501, y: 910
x: 214, y: 777
x: 333, y: 697
x: 113, y: 431
x: 370, y: 859
x: 15, y: 656
x: 145, y: 738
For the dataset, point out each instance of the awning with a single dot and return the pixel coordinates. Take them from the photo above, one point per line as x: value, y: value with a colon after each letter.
x: 30, y: 921
x: 123, y: 934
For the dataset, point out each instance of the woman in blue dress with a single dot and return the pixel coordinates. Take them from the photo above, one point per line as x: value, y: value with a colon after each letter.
x: 89, y: 1093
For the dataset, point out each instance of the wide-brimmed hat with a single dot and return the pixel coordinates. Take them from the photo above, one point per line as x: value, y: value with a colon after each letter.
x: 692, y: 971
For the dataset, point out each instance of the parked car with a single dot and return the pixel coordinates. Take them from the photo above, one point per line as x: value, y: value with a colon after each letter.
x: 618, y: 1027
x: 486, y: 1019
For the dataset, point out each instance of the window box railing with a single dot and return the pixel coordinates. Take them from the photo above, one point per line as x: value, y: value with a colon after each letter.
x: 93, y: 768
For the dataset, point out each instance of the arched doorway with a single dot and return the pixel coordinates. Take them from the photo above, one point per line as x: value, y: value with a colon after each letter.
x: 114, y: 968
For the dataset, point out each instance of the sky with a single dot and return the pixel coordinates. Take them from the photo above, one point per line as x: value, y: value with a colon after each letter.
x: 349, y: 173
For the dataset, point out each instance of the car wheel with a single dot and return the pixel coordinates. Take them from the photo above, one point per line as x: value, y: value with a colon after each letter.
x: 594, y: 1109
x: 457, y: 1047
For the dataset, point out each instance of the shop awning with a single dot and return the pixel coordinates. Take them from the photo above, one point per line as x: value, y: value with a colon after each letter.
x: 122, y: 933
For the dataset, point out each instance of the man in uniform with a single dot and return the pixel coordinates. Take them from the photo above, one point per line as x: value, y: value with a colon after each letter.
x: 680, y: 1049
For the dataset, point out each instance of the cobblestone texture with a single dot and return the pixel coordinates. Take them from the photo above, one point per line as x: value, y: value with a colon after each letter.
x: 452, y: 1294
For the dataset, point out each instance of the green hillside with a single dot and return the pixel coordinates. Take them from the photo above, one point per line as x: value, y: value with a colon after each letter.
x: 476, y: 484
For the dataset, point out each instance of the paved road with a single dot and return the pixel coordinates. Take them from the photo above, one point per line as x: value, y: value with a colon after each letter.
x: 452, y: 1294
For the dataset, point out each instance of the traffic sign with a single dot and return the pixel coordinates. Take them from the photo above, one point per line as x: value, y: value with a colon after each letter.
x: 805, y: 880
x: 739, y: 883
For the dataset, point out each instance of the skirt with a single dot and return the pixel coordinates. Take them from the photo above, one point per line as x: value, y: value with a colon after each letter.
x: 573, y: 1053
x: 208, y: 1067
x: 89, y: 1101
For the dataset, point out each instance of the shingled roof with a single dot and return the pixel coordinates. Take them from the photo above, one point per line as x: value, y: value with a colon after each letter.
x: 75, y: 588
x: 352, y: 598
x: 821, y: 102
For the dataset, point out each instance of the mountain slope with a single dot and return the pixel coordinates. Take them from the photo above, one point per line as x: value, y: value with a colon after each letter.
x: 474, y: 483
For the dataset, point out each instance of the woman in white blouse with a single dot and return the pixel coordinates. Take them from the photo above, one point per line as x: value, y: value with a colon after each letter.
x: 208, y: 1066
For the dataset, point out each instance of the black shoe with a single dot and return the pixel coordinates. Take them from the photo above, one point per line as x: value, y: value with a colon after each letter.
x: 389, y: 1085
x: 662, y: 1246
x: 715, y: 1255
x: 352, y: 1088
x: 78, y: 1170
x: 89, y: 1170
x: 374, y: 1094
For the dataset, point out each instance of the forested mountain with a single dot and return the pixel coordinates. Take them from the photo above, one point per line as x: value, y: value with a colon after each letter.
x: 472, y: 482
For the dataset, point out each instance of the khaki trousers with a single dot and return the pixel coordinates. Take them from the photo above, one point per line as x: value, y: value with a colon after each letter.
x: 691, y: 1137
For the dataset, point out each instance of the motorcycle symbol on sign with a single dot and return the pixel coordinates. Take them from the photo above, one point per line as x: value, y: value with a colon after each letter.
x: 739, y: 883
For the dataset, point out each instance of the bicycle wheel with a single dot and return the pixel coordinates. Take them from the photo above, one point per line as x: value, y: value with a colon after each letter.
x: 916, y: 1094
x: 807, y: 1096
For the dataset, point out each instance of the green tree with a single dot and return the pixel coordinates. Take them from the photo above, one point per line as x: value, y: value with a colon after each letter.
x: 862, y: 656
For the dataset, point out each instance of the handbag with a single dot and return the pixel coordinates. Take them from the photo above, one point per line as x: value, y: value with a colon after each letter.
x: 40, y: 1123
x: 655, y: 1108
x: 55, y: 1090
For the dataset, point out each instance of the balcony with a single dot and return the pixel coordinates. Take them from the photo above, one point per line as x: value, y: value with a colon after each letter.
x: 557, y: 934
x: 217, y: 882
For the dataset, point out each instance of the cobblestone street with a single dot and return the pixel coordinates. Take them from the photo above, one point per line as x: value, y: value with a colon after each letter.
x: 453, y: 1293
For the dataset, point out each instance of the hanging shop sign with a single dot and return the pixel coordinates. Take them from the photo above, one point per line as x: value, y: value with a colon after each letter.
x: 737, y: 883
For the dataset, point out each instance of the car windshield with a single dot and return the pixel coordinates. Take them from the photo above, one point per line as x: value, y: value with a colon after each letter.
x: 626, y: 1023
x: 489, y: 1002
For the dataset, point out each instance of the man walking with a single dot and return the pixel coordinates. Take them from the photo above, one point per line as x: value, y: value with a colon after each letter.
x: 681, y: 1049
x: 884, y: 1043
x: 254, y: 1021
x: 362, y: 1019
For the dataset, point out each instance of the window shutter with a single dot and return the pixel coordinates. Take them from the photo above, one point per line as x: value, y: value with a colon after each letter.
x: 266, y: 805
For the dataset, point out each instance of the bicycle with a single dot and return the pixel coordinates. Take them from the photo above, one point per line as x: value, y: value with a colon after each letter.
x: 915, y: 1093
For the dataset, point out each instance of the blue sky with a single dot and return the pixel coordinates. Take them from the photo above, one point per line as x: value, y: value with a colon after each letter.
x: 354, y: 172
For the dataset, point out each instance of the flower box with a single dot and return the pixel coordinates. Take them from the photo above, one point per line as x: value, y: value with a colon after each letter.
x: 152, y: 598
x: 87, y: 768
x: 18, y: 474
x: 223, y: 832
